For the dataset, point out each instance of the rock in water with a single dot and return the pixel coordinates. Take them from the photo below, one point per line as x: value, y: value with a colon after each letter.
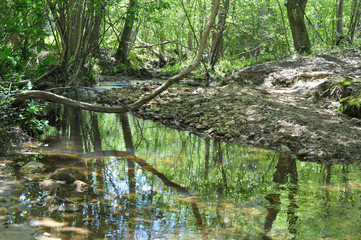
x: 62, y: 176
x: 33, y: 167
x: 49, y: 184
x: 80, y: 186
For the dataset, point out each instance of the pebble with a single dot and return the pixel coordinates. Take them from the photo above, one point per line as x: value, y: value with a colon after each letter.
x: 277, y: 139
x: 49, y: 184
x: 3, y: 211
x: 302, y: 152
x: 285, y: 149
x: 80, y: 186
x: 50, y: 199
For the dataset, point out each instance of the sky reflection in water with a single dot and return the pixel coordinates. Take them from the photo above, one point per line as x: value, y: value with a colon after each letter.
x: 146, y: 181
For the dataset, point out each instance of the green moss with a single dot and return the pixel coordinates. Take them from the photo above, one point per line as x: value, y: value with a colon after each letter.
x: 344, y: 82
x: 351, y: 106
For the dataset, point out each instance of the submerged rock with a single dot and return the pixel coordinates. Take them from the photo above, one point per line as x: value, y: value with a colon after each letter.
x: 80, y: 186
x: 33, y: 167
x: 49, y: 184
x: 50, y: 199
x: 62, y: 176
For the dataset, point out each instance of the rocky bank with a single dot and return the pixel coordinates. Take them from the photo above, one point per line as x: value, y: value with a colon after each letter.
x: 289, y: 106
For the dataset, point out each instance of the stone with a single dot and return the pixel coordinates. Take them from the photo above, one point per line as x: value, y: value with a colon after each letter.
x: 50, y: 199
x: 302, y: 152
x: 277, y: 139
x: 80, y: 186
x: 285, y: 149
x: 33, y: 167
x: 49, y: 184
x: 228, y: 136
x: 232, y: 122
x: 62, y: 176
x: 3, y: 211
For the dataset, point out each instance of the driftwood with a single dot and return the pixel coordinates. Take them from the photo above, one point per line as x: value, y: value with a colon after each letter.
x: 120, y: 109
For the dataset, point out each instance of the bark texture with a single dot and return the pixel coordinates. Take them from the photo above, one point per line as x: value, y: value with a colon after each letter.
x: 296, y: 17
x: 339, y: 23
x: 123, y: 49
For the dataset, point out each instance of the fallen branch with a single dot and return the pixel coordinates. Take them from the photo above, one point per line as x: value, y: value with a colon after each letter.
x: 92, y: 107
x: 52, y: 97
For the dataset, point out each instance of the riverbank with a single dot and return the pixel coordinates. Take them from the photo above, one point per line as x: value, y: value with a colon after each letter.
x: 277, y: 106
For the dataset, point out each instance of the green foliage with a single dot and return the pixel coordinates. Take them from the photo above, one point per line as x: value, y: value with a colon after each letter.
x: 348, y: 82
x: 173, y: 69
x: 28, y: 116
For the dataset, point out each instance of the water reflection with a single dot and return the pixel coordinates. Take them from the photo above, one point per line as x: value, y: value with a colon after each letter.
x: 286, y: 179
x: 169, y: 184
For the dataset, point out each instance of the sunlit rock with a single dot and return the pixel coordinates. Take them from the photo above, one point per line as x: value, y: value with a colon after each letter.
x: 33, y: 167
x: 80, y: 186
x: 49, y: 184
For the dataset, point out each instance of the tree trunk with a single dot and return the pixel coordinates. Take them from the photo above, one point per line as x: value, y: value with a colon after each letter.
x: 339, y: 23
x: 296, y: 17
x: 87, y: 106
x: 217, y: 47
x: 75, y: 23
x: 95, y: 38
x: 123, y: 49
x: 355, y: 18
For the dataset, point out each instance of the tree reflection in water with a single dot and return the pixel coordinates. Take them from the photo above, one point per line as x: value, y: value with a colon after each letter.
x: 175, y: 185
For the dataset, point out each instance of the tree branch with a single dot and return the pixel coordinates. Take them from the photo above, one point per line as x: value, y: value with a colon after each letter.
x: 120, y: 109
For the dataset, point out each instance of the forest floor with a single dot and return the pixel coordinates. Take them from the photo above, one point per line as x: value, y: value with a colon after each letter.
x: 289, y: 106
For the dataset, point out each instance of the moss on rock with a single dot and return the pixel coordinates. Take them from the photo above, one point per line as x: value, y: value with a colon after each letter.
x: 351, y: 106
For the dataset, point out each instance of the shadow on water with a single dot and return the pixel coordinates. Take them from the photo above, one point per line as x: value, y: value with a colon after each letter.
x: 124, y: 178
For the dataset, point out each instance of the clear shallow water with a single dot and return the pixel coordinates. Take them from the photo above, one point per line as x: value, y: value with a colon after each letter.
x: 146, y: 181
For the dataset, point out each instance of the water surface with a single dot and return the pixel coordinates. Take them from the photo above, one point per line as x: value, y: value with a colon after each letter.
x: 147, y: 181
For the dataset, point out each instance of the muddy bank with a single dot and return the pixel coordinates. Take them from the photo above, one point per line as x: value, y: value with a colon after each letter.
x: 271, y: 106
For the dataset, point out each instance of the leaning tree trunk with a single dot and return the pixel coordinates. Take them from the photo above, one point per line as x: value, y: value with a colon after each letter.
x: 339, y: 23
x: 123, y: 49
x: 296, y: 17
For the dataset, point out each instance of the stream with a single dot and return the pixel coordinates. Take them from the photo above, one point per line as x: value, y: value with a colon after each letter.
x: 120, y: 177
